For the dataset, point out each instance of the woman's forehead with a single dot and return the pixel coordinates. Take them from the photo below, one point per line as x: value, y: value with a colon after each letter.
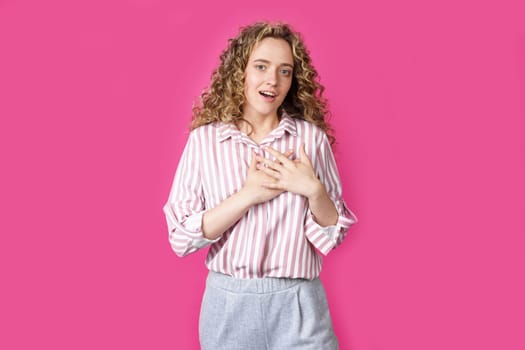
x: 272, y: 50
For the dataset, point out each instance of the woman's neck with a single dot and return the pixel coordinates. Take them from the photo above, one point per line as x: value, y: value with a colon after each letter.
x: 259, y: 126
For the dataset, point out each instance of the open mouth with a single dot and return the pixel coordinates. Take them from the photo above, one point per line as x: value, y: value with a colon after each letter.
x: 268, y: 95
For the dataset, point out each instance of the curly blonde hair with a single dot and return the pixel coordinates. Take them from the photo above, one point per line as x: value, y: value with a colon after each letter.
x: 224, y: 99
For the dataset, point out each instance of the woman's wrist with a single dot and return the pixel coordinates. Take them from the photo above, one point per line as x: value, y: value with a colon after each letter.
x: 316, y: 191
x: 322, y: 207
x: 245, y: 198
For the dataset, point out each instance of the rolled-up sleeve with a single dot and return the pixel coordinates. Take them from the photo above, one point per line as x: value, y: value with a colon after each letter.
x: 328, y: 237
x: 186, y: 204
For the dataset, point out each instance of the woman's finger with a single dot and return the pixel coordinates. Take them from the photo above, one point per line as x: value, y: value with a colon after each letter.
x: 272, y: 185
x: 267, y: 163
x: 304, y: 156
x: 269, y: 171
x: 288, y: 153
x: 279, y: 156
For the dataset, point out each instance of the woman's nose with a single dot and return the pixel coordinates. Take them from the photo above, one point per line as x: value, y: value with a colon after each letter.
x: 272, y: 77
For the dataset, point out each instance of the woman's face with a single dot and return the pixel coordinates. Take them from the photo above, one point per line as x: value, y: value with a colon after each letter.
x: 269, y: 70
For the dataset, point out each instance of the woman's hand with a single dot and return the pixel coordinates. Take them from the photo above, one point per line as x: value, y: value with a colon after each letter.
x: 297, y: 176
x: 255, y: 188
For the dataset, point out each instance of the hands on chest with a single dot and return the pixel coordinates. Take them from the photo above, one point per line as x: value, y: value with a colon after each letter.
x: 267, y: 178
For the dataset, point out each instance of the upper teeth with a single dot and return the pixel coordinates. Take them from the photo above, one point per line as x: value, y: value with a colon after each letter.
x: 268, y: 93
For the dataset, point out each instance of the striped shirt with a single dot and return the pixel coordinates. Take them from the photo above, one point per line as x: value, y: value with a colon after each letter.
x: 277, y: 238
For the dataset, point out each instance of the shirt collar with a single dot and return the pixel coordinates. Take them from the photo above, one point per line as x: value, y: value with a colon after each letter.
x: 286, y: 124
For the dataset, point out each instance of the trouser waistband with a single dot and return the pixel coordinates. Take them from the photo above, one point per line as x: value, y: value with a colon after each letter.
x: 252, y: 285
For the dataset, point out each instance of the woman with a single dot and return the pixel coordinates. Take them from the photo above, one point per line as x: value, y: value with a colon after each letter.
x: 257, y: 183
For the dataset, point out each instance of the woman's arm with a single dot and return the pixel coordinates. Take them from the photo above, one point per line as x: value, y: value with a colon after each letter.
x: 299, y: 177
x: 186, y: 204
x: 321, y: 206
x: 217, y: 220
x: 327, y: 218
x: 190, y: 225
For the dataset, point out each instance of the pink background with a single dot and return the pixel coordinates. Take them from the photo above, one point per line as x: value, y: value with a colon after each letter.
x: 428, y: 102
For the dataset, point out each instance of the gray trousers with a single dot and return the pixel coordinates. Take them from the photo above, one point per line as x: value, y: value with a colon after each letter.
x: 265, y: 314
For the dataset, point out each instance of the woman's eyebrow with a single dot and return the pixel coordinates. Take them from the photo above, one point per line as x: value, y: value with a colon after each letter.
x: 266, y: 61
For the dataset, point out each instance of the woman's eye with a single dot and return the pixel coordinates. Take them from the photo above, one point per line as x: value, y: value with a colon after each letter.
x: 260, y: 67
x: 286, y: 72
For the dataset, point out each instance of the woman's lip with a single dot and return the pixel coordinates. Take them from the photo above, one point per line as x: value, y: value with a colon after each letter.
x: 273, y: 92
x: 268, y: 98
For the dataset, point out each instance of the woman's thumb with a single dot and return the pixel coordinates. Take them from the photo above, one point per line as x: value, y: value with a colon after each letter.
x: 304, y: 157
x: 303, y: 152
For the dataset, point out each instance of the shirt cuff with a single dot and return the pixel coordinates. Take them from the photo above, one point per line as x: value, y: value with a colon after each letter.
x: 333, y: 234
x: 333, y: 231
x: 193, y: 224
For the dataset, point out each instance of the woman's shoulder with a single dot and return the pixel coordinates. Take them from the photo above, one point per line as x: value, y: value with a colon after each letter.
x: 201, y: 135
x: 206, y: 130
x: 305, y: 127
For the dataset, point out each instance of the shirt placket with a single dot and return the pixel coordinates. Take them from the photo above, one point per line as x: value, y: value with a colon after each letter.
x: 265, y: 207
